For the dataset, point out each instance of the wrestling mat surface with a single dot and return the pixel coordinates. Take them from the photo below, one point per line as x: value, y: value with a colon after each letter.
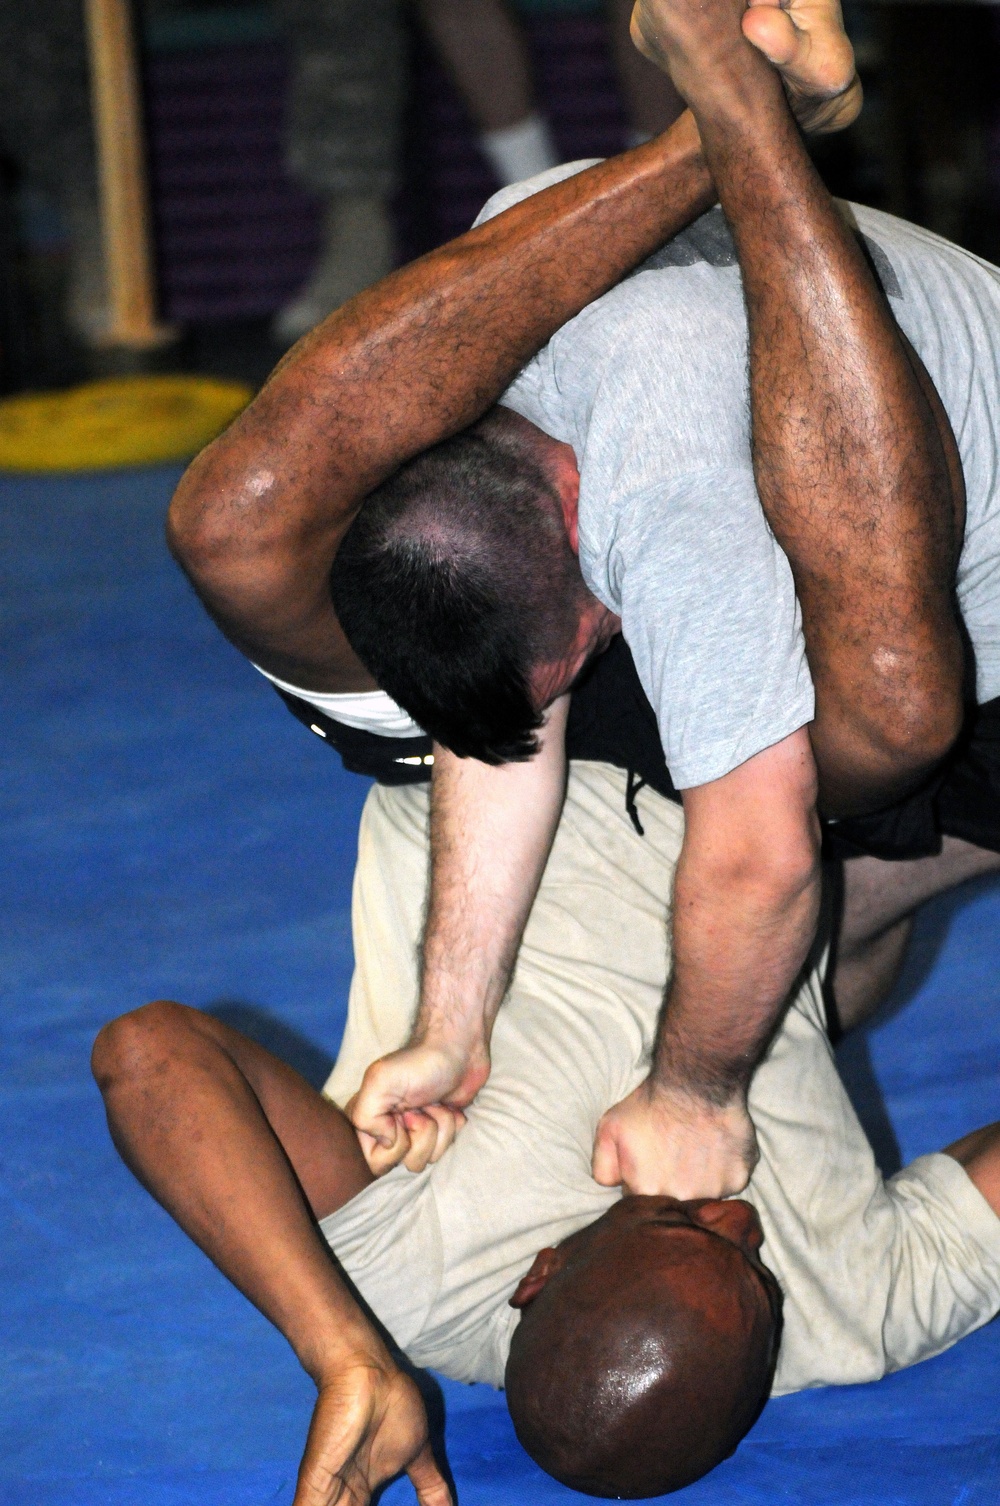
x: 172, y: 831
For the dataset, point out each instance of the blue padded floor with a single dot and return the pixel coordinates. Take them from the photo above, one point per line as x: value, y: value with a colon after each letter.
x: 172, y: 831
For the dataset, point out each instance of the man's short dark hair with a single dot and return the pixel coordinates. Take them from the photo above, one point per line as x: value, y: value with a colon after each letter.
x: 455, y: 580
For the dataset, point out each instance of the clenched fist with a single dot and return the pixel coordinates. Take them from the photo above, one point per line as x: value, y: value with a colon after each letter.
x: 409, y: 1106
x: 662, y: 1142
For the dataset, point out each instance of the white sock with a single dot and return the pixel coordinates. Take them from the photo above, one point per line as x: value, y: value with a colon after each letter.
x: 519, y: 151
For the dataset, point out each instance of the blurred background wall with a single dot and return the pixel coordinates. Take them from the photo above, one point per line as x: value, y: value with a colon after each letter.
x: 238, y: 233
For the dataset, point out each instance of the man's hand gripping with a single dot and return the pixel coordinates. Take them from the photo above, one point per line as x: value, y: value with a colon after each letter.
x: 661, y: 1141
x: 409, y: 1106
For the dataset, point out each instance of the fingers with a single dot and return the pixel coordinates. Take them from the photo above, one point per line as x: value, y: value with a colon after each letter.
x: 428, y: 1481
x: 431, y: 1132
x: 373, y: 1113
x: 374, y: 1106
x: 416, y: 1137
x: 382, y: 1158
x: 605, y: 1167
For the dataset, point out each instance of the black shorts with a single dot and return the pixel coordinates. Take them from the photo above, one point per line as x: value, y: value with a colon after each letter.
x: 962, y: 800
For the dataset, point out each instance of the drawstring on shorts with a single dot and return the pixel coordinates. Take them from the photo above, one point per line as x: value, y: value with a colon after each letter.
x: 634, y: 784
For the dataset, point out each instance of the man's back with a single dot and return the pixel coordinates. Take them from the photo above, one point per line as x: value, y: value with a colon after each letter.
x: 874, y: 1277
x: 649, y: 386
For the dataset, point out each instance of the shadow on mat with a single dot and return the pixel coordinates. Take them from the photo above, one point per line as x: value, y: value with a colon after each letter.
x: 854, y: 1051
x: 309, y: 1060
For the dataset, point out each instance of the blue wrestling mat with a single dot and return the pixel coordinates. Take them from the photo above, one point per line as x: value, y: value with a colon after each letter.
x: 170, y: 830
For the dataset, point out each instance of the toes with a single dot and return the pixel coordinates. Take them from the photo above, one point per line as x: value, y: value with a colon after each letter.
x: 773, y: 33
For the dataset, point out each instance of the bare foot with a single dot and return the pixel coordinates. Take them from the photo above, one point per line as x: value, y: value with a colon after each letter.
x: 806, y: 42
x: 804, y: 39
x: 368, y: 1425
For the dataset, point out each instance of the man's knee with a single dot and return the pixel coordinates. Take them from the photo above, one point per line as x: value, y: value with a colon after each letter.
x: 136, y: 1042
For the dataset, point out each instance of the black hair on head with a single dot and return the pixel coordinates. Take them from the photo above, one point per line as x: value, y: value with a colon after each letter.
x: 455, y: 580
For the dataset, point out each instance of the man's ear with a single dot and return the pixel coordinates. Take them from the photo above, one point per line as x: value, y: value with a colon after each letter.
x: 544, y: 1266
x: 566, y: 475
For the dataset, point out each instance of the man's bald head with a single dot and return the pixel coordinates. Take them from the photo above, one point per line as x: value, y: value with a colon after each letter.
x: 647, y: 1347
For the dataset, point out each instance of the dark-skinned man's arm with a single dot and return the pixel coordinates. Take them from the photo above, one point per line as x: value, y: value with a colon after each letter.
x: 856, y: 466
x: 257, y: 518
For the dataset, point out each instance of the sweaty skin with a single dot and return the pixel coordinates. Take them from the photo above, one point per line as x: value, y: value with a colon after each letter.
x: 658, y: 1311
x: 871, y: 541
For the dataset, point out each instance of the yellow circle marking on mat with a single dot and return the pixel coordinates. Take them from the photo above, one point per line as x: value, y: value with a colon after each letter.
x: 136, y: 420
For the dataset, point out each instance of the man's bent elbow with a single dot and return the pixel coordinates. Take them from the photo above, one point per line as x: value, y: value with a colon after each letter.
x: 203, y: 520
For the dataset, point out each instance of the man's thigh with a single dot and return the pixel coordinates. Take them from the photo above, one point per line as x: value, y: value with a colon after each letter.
x: 878, y: 893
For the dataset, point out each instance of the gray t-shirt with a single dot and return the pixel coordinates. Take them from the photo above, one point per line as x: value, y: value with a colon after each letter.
x: 876, y: 1274
x: 649, y: 385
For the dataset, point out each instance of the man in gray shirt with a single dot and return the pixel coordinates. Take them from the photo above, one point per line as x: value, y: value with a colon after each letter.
x: 630, y: 436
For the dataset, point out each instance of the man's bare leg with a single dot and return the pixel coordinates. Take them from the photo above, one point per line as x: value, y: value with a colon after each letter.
x: 246, y: 1156
x: 855, y: 464
x: 880, y: 900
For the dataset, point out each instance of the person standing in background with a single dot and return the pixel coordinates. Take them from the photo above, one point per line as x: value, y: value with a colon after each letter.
x: 46, y: 134
x: 346, y: 106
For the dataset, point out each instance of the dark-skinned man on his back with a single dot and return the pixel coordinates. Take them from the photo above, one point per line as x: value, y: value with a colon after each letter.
x: 259, y: 519
x: 643, y: 1335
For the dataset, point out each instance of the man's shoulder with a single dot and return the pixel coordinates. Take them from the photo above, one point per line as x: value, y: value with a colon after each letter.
x: 897, y: 247
x: 515, y: 193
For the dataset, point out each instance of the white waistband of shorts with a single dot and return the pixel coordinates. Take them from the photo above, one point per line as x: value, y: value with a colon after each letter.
x: 368, y: 711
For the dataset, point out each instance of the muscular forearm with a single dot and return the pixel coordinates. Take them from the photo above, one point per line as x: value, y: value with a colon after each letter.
x: 258, y: 516
x: 855, y: 462
x: 746, y: 898
x: 491, y: 831
x: 739, y: 942
x: 745, y: 903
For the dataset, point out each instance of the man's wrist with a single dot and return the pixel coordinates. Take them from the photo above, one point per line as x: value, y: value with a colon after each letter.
x: 454, y: 1015
x: 351, y: 1343
x: 707, y: 1087
x: 464, y: 1038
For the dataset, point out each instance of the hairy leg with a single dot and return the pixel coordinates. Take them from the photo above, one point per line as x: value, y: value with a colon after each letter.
x: 879, y: 902
x: 855, y: 463
x: 246, y: 1156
